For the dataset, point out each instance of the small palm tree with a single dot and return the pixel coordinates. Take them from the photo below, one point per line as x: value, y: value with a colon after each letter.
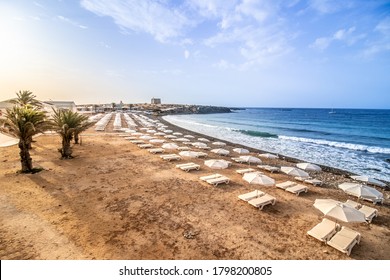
x: 26, y: 98
x: 68, y: 124
x: 23, y: 123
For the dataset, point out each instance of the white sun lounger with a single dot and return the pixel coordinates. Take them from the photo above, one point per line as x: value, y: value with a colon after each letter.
x: 243, y: 171
x: 239, y: 160
x: 219, y: 180
x: 325, y: 230
x: 170, y: 157
x: 156, y: 150
x: 137, y: 141
x: 353, y: 204
x: 285, y: 185
x: 262, y: 201
x: 297, y: 189
x: 269, y: 168
x: 369, y: 212
x: 251, y: 195
x: 344, y: 240
x: 314, y: 182
x: 188, y: 166
x: 145, y: 146
x: 208, y: 177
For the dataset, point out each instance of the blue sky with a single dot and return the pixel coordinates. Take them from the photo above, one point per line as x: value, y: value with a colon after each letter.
x: 279, y: 53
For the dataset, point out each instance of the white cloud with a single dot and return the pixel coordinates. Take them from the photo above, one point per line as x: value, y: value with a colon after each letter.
x: 153, y: 17
x: 74, y: 23
x: 343, y: 35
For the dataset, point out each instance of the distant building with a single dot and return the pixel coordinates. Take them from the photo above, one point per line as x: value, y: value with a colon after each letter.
x: 70, y: 105
x: 156, y: 100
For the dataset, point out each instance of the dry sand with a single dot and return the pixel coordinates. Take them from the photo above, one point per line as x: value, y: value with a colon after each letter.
x: 117, y: 201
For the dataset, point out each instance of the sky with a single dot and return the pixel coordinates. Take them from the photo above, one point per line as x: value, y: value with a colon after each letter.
x: 244, y: 53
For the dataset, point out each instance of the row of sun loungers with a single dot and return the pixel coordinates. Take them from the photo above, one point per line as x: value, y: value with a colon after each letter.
x: 258, y: 199
x: 332, y: 234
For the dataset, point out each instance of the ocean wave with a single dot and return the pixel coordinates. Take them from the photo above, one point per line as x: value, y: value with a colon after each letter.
x: 257, y: 133
x: 350, y: 146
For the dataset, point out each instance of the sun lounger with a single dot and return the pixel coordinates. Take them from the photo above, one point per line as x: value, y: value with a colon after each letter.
x: 325, y: 230
x: 208, y: 177
x: 145, y: 146
x: 239, y: 160
x: 344, y: 240
x: 251, y: 195
x: 262, y: 201
x: 137, y: 141
x: 297, y: 189
x: 170, y: 157
x: 314, y: 182
x: 369, y: 212
x: 188, y: 166
x: 243, y: 171
x: 353, y: 204
x: 269, y: 168
x: 285, y: 185
x: 219, y: 180
x: 201, y: 154
x: 156, y: 150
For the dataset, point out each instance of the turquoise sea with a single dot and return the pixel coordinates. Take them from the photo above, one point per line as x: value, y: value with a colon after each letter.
x: 356, y: 140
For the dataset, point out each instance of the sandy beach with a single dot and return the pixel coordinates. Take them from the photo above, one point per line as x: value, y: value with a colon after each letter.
x: 117, y: 201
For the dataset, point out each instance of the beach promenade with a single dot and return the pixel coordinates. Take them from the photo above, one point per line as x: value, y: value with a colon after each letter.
x: 116, y: 200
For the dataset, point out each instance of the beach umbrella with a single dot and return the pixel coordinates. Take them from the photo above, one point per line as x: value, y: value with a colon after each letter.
x: 308, y: 166
x: 170, y: 136
x: 159, y: 134
x: 339, y: 211
x: 219, y: 144
x: 151, y: 131
x: 203, y: 139
x: 188, y: 136
x: 293, y: 171
x: 177, y: 133
x: 221, y: 152
x: 170, y: 146
x: 362, y: 191
x: 241, y: 151
x: 369, y: 180
x: 216, y: 163
x: 168, y: 131
x: 268, y: 155
x: 250, y: 159
x: 136, y: 133
x: 258, y: 178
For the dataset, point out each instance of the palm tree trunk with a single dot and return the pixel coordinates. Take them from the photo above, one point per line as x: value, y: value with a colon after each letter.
x: 25, y: 157
x: 76, y: 138
x: 66, y: 151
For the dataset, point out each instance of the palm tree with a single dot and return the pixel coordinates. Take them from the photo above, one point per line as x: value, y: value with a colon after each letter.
x: 68, y: 124
x: 24, y: 123
x: 26, y: 98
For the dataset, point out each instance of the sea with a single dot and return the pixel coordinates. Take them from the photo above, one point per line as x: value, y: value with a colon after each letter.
x: 354, y: 140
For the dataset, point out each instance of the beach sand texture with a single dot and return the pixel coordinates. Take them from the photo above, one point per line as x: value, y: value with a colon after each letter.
x: 117, y: 201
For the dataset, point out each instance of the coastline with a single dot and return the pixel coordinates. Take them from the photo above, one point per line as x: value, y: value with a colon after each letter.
x: 343, y: 174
